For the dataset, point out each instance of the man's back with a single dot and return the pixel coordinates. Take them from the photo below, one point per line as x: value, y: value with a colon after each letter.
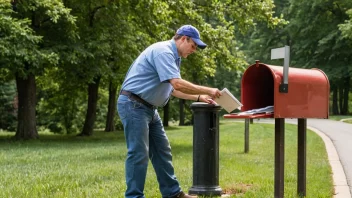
x: 149, y: 74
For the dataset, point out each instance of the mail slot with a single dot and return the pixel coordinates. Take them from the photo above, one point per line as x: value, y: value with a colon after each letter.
x: 307, y: 96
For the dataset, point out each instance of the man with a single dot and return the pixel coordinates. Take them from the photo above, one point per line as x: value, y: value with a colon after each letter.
x: 152, y: 78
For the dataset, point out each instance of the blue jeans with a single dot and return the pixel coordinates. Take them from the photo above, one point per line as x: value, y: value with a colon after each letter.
x: 146, y: 139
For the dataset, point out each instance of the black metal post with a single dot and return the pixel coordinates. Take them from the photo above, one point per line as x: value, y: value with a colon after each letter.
x: 205, y: 150
x: 279, y: 157
x: 246, y: 135
x: 302, y: 156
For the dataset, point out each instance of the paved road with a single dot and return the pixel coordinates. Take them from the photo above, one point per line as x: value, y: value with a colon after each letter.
x: 340, y: 134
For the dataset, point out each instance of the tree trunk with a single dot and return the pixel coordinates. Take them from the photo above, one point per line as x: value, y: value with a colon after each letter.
x: 182, y: 113
x: 346, y: 87
x: 166, y: 114
x: 335, y: 108
x: 110, y: 124
x: 341, y: 89
x: 92, y: 108
x: 26, y: 127
x: 69, y: 114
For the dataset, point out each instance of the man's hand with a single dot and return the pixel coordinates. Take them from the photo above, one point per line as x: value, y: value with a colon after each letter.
x: 214, y: 93
x: 206, y: 99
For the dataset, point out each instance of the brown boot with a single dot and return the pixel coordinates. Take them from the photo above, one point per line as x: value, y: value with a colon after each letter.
x: 183, y: 195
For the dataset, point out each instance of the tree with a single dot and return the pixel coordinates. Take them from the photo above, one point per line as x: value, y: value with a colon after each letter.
x: 68, y: 59
x: 346, y: 29
x: 13, y: 57
x: 24, y: 50
x: 318, y: 42
x: 105, y: 43
x: 123, y: 49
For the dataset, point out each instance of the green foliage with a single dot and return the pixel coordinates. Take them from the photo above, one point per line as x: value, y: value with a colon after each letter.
x: 67, y: 44
x: 8, y: 107
x: 19, y: 44
x: 257, y: 43
x: 60, y: 109
x: 346, y: 28
x: 27, y: 45
x: 112, y: 33
x: 62, y: 105
x: 316, y: 39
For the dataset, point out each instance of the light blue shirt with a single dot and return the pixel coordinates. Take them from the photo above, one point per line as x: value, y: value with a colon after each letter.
x: 149, y: 74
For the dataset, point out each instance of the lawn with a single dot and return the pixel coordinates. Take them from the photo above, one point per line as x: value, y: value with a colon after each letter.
x: 70, y: 166
x: 344, y: 118
x: 348, y: 121
x: 339, y: 117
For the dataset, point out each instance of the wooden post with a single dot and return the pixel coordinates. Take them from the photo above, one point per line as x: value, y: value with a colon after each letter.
x: 279, y: 157
x: 301, y: 156
x: 246, y: 135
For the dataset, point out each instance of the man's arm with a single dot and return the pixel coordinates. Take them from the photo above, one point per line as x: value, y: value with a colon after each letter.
x: 181, y: 95
x: 199, y: 98
x: 192, y: 89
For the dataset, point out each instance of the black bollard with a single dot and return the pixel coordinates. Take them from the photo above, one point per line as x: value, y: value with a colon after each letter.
x: 205, y: 150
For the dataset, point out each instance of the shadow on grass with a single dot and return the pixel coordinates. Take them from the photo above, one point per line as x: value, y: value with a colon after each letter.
x: 172, y: 128
x: 48, y: 140
x: 97, y: 137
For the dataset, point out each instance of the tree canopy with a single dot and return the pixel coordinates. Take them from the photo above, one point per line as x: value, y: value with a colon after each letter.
x: 73, y: 54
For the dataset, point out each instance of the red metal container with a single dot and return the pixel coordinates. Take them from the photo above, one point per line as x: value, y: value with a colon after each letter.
x: 307, y: 97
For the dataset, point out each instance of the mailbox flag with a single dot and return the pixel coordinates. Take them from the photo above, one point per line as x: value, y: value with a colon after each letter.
x: 278, y: 53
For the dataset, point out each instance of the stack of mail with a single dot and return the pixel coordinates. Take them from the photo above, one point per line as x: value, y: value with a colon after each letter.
x: 266, y: 110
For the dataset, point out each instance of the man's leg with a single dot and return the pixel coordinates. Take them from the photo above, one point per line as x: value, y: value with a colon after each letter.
x: 135, y: 118
x: 160, y: 155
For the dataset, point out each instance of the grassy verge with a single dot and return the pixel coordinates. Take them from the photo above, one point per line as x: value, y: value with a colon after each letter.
x: 339, y: 117
x: 69, y: 166
x: 348, y: 121
x: 344, y: 118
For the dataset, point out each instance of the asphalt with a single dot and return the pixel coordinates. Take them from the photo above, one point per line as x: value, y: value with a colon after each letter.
x: 337, y: 137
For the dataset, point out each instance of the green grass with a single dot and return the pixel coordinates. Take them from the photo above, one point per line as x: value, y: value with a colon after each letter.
x: 344, y: 118
x: 70, y: 166
x: 339, y: 117
x: 348, y: 121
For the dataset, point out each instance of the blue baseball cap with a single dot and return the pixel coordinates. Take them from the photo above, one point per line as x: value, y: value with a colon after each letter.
x: 193, y: 33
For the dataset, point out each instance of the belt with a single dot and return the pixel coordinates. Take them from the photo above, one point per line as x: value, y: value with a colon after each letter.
x: 136, y: 98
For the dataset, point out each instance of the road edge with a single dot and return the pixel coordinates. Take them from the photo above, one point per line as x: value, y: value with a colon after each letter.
x: 341, y: 187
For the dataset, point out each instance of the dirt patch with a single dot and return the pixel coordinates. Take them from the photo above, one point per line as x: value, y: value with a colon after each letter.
x: 237, y: 189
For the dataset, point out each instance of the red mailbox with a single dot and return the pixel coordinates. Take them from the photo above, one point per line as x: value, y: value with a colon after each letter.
x: 307, y: 96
